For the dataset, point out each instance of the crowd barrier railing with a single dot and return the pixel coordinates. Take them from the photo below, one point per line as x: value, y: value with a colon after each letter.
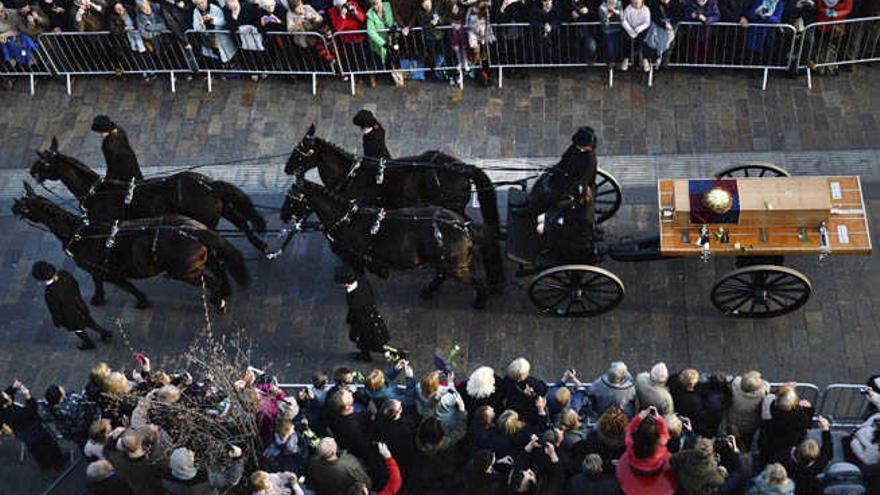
x: 417, y: 52
x: 302, y: 53
x: 826, y: 45
x: 34, y: 64
x: 727, y: 45
x: 844, y: 404
x: 804, y: 390
x: 105, y: 53
x: 575, y: 44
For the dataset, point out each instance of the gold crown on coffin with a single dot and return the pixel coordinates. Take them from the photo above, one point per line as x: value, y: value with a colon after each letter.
x: 718, y: 200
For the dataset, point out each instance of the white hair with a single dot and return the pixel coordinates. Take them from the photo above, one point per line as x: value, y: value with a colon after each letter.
x: 617, y: 372
x: 659, y: 373
x: 267, y: 3
x: 481, y: 383
x: 519, y: 369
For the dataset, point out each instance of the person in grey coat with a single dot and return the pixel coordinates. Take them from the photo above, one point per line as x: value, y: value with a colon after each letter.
x: 183, y: 478
x: 652, y: 390
x: 744, y: 415
x: 614, y: 388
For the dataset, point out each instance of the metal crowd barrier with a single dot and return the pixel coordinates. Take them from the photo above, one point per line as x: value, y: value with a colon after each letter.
x: 727, y: 45
x: 844, y: 405
x: 38, y: 67
x: 434, y: 58
x: 834, y: 43
x: 262, y: 54
x: 105, y: 53
x: 804, y: 390
x: 575, y: 44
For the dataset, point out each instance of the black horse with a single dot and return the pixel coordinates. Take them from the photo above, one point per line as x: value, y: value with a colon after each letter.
x: 399, y: 239
x: 173, y: 245
x: 432, y: 178
x: 188, y: 193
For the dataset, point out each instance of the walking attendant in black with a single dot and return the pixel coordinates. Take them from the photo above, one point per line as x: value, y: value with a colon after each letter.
x: 66, y: 304
x: 374, y: 135
x: 122, y: 163
x: 366, y: 326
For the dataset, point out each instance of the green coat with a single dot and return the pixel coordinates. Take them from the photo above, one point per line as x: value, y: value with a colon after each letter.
x: 375, y: 25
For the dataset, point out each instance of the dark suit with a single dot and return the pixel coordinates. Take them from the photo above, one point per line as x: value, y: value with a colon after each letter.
x: 575, y: 168
x: 366, y: 326
x: 66, y: 304
x: 122, y: 163
x: 374, y: 144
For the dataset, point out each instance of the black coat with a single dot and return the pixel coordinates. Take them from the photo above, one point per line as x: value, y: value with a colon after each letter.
x: 122, y: 163
x: 366, y: 326
x: 28, y: 428
x: 783, y: 430
x: 66, y: 303
x: 575, y: 168
x: 804, y: 477
x: 603, y: 484
x: 400, y: 436
x: 516, y: 398
x: 114, y: 485
x: 374, y: 144
x: 732, y: 10
x: 355, y: 434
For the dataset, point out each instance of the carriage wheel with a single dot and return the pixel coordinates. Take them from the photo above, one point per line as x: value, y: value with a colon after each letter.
x: 607, y: 196
x: 752, y: 169
x: 576, y: 290
x: 761, y: 291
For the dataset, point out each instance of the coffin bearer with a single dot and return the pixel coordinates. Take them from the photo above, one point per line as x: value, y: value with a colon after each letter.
x: 122, y: 163
x: 66, y: 304
x: 366, y: 326
x: 373, y: 133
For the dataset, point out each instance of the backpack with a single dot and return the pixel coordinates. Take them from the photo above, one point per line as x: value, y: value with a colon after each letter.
x: 842, y: 478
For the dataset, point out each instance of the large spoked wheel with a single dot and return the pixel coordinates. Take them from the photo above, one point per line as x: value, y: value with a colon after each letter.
x: 607, y: 197
x: 761, y: 291
x: 576, y: 291
x: 752, y: 169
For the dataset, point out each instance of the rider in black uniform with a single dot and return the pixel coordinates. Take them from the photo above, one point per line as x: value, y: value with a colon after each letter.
x: 122, y: 163
x: 374, y: 135
x: 562, y: 201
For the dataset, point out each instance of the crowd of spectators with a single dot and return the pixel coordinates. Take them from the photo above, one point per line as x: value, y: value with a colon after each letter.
x: 658, y: 433
x: 390, y: 36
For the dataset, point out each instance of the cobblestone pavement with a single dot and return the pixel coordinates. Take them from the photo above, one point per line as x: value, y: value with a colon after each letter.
x: 292, y: 313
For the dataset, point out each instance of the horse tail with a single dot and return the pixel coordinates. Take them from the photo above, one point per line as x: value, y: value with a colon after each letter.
x: 226, y: 252
x: 238, y: 199
x: 490, y: 255
x: 490, y: 248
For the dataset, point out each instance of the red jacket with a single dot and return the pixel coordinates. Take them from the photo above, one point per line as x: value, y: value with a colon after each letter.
x: 394, y: 479
x: 661, y: 453
x: 354, y: 21
x: 837, y: 13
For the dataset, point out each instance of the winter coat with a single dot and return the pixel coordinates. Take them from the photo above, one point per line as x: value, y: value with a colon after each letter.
x: 609, y: 448
x: 733, y: 10
x: 583, y: 483
x: 653, y: 394
x: 151, y: 26
x: 354, y: 21
x: 693, y: 9
x: 757, y: 39
x: 804, y: 477
x: 66, y: 304
x: 519, y: 401
x: 606, y: 394
x: 223, y: 43
x: 763, y: 487
x: 862, y: 443
x: 656, y: 462
x: 781, y: 429
x: 377, y: 30
x: 745, y: 409
x: 122, y: 163
x: 839, y: 12
x: 204, y: 483
x: 335, y: 477
x: 142, y: 475
x: 635, y: 21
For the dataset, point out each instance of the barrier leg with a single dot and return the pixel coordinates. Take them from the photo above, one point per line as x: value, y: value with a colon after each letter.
x: 173, y: 82
x: 68, y: 85
x: 314, y: 84
x: 352, y: 83
x: 460, y: 78
x: 610, y: 77
x: 764, y: 84
x: 500, y: 77
x: 33, y: 84
x: 210, y: 82
x: 809, y: 78
x: 651, y: 76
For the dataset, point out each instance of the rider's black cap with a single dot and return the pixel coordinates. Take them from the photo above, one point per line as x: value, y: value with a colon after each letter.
x: 102, y: 123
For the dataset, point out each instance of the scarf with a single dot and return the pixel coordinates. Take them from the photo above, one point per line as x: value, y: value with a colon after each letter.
x: 769, y: 6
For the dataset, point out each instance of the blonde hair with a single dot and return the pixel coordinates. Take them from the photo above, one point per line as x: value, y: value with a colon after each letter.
x: 689, y: 378
x: 568, y: 419
x: 430, y: 384
x: 169, y: 394
x: 375, y: 380
x: 776, y: 474
x: 100, y: 372
x: 99, y: 430
x: 519, y: 369
x: 508, y: 422
x: 161, y: 377
x: 260, y: 480
x: 751, y: 381
x: 786, y: 398
x: 117, y: 384
x: 808, y: 451
x: 673, y: 425
x: 132, y: 440
x: 562, y: 396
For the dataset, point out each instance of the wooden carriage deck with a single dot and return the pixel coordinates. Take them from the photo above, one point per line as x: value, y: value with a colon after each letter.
x: 847, y: 228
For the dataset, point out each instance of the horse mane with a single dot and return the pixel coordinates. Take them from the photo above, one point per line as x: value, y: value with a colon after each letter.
x: 79, y: 166
x: 335, y: 148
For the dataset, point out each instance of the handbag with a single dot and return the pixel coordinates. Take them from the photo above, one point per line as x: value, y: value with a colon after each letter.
x: 659, y: 38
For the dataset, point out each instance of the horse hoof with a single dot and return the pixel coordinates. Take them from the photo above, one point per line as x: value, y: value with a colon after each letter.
x: 97, y: 301
x: 426, y: 294
x: 144, y: 304
x: 273, y: 254
x: 222, y: 306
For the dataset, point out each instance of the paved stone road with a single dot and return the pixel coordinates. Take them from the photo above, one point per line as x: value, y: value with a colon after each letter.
x: 293, y: 313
